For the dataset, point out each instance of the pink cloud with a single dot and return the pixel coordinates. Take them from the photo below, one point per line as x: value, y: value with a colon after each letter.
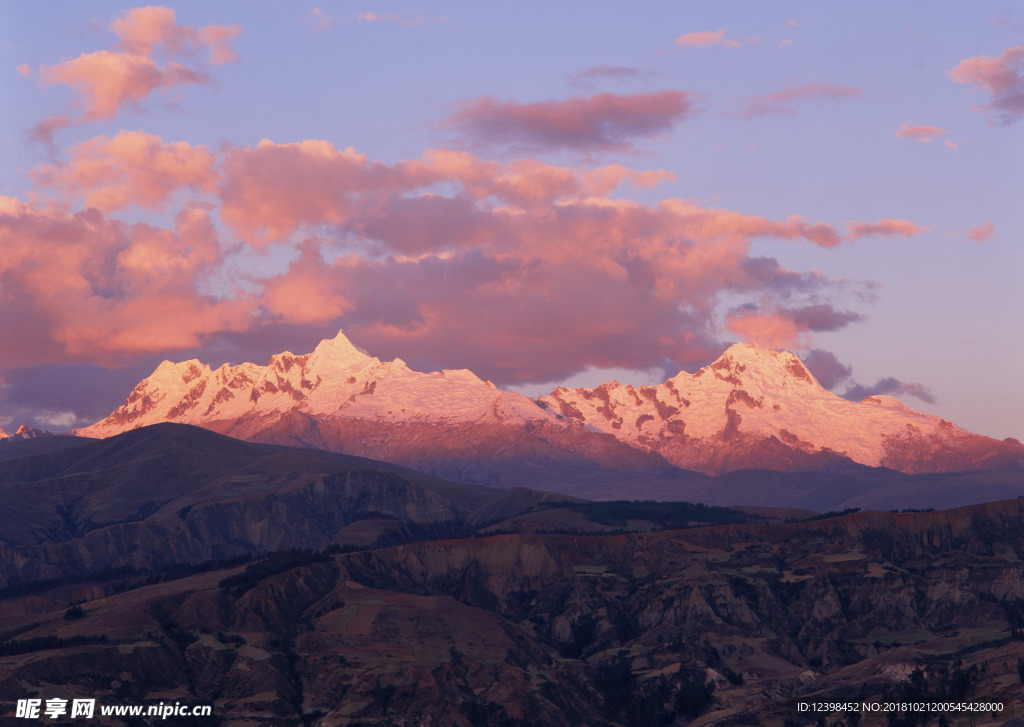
x: 980, y: 233
x: 783, y: 102
x: 766, y: 329
x: 918, y: 133
x: 142, y: 30
x: 24, y: 70
x: 1002, y: 78
x: 131, y: 168
x: 885, y: 228
x: 601, y: 122
x: 107, y: 80
x: 704, y: 39
x: 83, y: 287
x: 503, y: 259
x: 788, y: 327
x: 952, y: 144
x: 271, y: 190
x: 306, y: 293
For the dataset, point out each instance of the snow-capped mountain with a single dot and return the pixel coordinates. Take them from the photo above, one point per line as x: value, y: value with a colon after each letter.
x: 752, y: 408
x: 757, y: 408
x: 449, y: 423
x: 336, y: 380
x: 23, y: 432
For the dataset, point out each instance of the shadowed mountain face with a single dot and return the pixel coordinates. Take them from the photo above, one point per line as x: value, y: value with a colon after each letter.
x: 724, y: 624
x: 171, y: 494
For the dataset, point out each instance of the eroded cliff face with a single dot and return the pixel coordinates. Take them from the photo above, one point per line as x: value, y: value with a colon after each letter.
x: 312, y: 515
x: 532, y: 627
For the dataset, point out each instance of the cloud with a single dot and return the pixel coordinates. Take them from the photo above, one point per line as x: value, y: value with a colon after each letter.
x: 780, y: 327
x: 893, y: 387
x: 306, y: 292
x: 826, y: 367
x: 705, y: 39
x: 602, y: 122
x: 131, y: 168
x: 770, y: 330
x: 1002, y: 78
x: 885, y: 228
x: 83, y: 287
x: 822, y: 317
x: 107, y: 80
x: 321, y: 20
x: 832, y: 373
x: 980, y: 233
x: 408, y: 21
x: 952, y: 144
x: 586, y: 77
x: 271, y: 190
x: 918, y: 133
x: 785, y: 101
x: 39, y: 396
x: 142, y: 30
x: 42, y: 133
x: 522, y: 270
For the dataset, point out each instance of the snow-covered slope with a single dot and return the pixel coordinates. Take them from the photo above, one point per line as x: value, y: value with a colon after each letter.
x: 335, y: 380
x: 752, y: 408
x: 758, y: 408
x: 448, y: 423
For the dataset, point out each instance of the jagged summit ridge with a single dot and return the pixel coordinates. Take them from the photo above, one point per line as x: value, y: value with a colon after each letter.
x: 335, y: 380
x: 23, y: 432
x: 762, y: 401
x: 752, y: 408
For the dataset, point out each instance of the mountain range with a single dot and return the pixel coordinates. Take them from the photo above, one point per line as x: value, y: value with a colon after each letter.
x: 750, y: 409
x: 23, y: 432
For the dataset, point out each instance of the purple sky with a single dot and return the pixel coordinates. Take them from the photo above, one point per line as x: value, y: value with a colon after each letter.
x: 542, y: 193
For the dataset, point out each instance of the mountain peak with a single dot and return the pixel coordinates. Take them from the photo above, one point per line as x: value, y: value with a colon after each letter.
x: 24, y: 432
x: 743, y: 360
x: 338, y: 353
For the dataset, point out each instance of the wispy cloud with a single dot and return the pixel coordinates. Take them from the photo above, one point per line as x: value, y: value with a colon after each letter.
x: 885, y: 228
x: 787, y: 100
x: 322, y: 20
x: 594, y: 123
x: 980, y: 233
x: 918, y: 133
x: 704, y: 39
x: 588, y: 76
x: 832, y: 374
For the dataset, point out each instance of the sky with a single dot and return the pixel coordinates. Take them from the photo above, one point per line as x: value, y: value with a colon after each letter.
x: 543, y: 193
